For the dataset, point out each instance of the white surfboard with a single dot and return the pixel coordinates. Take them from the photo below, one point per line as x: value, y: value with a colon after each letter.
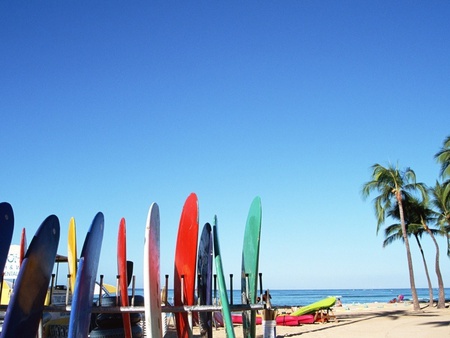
x: 152, y: 290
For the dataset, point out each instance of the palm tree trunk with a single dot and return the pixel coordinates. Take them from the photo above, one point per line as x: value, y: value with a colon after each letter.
x: 430, y: 287
x: 441, y: 299
x: 416, y: 305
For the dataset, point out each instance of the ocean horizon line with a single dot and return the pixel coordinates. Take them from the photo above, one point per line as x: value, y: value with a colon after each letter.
x: 300, y: 297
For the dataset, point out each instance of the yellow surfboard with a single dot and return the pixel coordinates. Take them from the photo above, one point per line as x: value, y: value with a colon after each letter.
x: 72, y: 253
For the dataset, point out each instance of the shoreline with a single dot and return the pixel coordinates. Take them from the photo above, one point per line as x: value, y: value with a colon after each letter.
x: 362, y: 320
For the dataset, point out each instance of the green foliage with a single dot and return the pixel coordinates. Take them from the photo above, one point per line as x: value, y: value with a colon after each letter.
x: 441, y: 202
x: 443, y: 157
x: 393, y: 185
x: 418, y: 217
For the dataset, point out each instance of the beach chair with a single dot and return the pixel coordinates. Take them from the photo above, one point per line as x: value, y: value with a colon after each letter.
x: 324, y: 316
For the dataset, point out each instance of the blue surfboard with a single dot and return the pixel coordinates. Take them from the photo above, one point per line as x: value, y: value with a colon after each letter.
x: 27, y: 303
x: 6, y: 232
x: 204, y: 268
x: 80, y: 314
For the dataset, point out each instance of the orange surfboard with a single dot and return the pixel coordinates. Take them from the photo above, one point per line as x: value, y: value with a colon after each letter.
x: 185, y: 263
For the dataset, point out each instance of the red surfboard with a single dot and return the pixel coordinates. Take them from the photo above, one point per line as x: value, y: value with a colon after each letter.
x: 185, y: 263
x: 123, y: 274
x: 23, y: 246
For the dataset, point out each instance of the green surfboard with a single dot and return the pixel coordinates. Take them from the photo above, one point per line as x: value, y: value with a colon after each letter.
x: 226, y: 312
x: 249, y: 271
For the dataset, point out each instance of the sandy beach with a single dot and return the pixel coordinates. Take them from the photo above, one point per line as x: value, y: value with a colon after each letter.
x: 366, y: 320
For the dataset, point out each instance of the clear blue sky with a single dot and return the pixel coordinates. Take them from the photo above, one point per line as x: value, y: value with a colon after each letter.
x: 112, y: 105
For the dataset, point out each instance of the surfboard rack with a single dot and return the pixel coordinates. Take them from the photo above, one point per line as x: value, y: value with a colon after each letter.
x: 212, y: 308
x: 170, y: 309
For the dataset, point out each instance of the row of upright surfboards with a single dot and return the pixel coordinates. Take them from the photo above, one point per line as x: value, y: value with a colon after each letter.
x: 194, y: 260
x: 185, y: 274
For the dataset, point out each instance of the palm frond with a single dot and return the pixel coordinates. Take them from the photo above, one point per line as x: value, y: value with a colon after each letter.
x: 443, y: 157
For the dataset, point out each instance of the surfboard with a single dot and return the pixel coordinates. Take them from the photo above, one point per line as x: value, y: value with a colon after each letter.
x: 325, y: 303
x: 27, y: 302
x: 152, y: 293
x: 249, y: 271
x: 23, y: 245
x: 123, y: 274
x: 6, y: 232
x: 282, y: 319
x: 130, y: 267
x: 185, y: 263
x: 222, y: 285
x: 72, y: 258
x: 80, y: 314
x: 204, y: 284
x: 164, y: 301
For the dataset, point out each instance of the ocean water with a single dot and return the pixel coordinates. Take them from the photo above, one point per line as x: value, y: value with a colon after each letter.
x: 347, y: 296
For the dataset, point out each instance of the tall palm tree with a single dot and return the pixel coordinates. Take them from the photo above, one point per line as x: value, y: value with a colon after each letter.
x: 443, y: 157
x: 418, y: 214
x: 394, y: 233
x: 393, y: 185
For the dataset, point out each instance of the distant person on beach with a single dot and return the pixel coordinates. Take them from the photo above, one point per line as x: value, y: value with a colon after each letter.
x: 264, y: 298
x: 399, y: 299
x: 338, y: 302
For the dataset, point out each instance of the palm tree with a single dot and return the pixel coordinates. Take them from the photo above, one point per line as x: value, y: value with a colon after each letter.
x: 441, y: 192
x: 418, y: 214
x: 443, y: 157
x: 441, y: 201
x: 393, y: 185
x: 394, y: 233
x: 426, y: 215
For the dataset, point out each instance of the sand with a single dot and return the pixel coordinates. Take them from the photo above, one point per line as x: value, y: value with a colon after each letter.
x: 366, y: 320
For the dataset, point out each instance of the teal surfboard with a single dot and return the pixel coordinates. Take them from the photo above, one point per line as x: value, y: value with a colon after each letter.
x: 250, y: 262
x: 27, y: 303
x: 80, y: 314
x: 226, y: 312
